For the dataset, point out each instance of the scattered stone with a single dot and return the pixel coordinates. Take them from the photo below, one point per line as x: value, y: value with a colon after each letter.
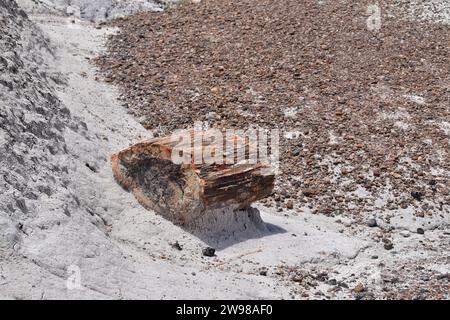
x: 372, y: 223
x: 359, y: 288
x: 389, y: 246
x: 347, y: 224
x: 177, y: 246
x: 290, y: 205
x: 405, y: 233
x: 209, y: 252
x: 91, y: 167
x: 310, y: 192
x: 323, y: 276
x: 420, y: 231
x: 332, y: 282
x: 296, y: 152
x: 417, y: 195
x: 445, y: 276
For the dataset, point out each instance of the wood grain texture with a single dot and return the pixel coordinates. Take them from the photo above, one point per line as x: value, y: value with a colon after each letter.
x: 183, y: 192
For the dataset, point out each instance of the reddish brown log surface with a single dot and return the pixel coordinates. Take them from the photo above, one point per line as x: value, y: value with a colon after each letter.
x: 183, y: 192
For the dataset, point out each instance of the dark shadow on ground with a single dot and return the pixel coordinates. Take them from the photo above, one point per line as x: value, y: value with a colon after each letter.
x: 225, y: 227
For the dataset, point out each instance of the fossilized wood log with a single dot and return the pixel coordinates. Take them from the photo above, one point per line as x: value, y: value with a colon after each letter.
x: 183, y: 192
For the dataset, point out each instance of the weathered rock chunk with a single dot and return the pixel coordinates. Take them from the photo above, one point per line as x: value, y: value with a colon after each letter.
x: 182, y: 192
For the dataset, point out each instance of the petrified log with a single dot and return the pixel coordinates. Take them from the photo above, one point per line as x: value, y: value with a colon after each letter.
x: 182, y: 191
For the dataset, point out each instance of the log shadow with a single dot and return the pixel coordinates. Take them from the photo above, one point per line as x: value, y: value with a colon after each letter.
x: 222, y: 228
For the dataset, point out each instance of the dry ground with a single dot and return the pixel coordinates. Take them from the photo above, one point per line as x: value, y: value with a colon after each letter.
x: 364, y: 114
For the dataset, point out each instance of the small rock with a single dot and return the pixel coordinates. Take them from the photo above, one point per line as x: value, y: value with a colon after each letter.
x: 389, y: 246
x: 290, y: 205
x: 417, y: 195
x: 323, y: 276
x: 359, y: 288
x: 310, y: 192
x: 263, y: 272
x: 405, y: 233
x: 420, y: 231
x: 209, y: 252
x: 347, y: 224
x: 372, y: 223
x: 91, y: 167
x: 332, y: 282
x: 177, y: 246
x: 444, y: 276
x: 211, y: 116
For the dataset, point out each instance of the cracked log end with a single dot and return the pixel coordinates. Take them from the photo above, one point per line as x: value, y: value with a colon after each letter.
x: 184, y: 192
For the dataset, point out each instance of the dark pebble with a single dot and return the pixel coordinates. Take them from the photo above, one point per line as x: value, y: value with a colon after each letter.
x: 445, y: 276
x: 420, y: 231
x: 323, y: 276
x: 177, y: 246
x: 417, y: 195
x: 209, y: 252
x: 296, y: 152
x: 91, y: 167
x: 372, y: 223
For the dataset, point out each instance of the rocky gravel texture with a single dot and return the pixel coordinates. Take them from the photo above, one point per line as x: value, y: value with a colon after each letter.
x: 364, y: 113
x: 32, y: 124
x: 432, y: 11
x: 68, y: 231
